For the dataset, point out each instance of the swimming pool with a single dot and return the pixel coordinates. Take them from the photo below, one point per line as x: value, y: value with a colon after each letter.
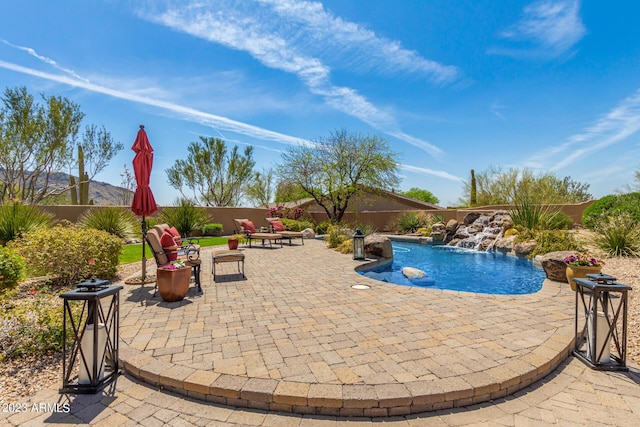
x: 461, y: 270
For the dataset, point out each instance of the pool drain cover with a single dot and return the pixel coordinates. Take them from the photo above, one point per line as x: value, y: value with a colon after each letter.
x: 361, y: 287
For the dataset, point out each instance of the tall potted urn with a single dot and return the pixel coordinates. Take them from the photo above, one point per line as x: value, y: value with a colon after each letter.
x: 578, y: 266
x: 173, y: 281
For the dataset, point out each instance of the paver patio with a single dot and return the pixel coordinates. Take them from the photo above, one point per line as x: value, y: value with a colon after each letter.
x: 298, y: 344
x: 296, y: 337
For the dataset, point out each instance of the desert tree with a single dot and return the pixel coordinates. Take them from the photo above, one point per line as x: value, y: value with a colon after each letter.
x: 259, y: 190
x: 215, y: 175
x: 422, y: 195
x: 334, y: 168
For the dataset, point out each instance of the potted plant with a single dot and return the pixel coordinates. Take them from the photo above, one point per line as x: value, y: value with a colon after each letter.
x: 234, y: 239
x: 173, y: 280
x: 579, y: 265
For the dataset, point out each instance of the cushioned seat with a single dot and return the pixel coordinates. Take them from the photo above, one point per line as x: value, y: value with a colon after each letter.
x: 231, y: 255
x: 248, y: 229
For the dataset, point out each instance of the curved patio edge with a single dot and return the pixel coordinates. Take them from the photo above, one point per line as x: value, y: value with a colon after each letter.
x: 380, y: 400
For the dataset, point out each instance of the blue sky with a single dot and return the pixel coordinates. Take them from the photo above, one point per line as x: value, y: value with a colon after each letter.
x: 453, y: 85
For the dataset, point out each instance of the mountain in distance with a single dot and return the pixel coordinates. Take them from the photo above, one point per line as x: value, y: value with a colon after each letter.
x: 102, y: 193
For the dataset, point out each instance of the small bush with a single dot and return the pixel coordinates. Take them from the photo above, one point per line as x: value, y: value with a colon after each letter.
x: 17, y: 219
x: 336, y: 235
x: 410, y: 222
x: 365, y: 229
x: 186, y: 217
x: 618, y: 235
x: 69, y: 254
x: 11, y: 269
x: 549, y: 241
x: 425, y: 231
x: 612, y: 205
x: 282, y: 212
x: 511, y: 232
x: 345, y: 247
x: 117, y: 221
x: 322, y: 227
x: 558, y: 221
x: 212, y: 229
x: 296, y: 225
x: 33, y: 325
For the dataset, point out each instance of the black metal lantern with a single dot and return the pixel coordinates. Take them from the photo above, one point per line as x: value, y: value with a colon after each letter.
x: 358, y: 244
x: 95, y: 336
x: 601, y: 322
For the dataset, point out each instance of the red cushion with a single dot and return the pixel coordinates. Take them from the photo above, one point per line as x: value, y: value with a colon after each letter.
x: 277, y: 225
x: 169, y: 245
x: 248, y: 225
x: 176, y: 235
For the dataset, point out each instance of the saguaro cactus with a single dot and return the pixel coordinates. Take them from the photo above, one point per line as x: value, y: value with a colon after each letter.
x: 80, y: 191
x: 473, y: 199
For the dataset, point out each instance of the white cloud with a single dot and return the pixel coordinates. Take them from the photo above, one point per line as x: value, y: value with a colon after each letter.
x: 191, y: 114
x: 425, y: 171
x: 548, y: 28
x: 300, y: 38
x: 617, y: 125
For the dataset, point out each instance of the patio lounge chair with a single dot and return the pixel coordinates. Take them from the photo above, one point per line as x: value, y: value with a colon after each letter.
x: 190, y: 254
x: 249, y: 230
x: 276, y: 226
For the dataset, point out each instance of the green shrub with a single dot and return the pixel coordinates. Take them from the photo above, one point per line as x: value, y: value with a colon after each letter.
x: 549, y: 241
x: 186, y: 217
x: 212, y: 229
x: 365, y: 229
x: 69, y: 255
x: 11, y: 269
x: 117, y: 221
x: 612, y: 205
x: 322, y: 227
x: 410, y: 222
x: 345, y: 247
x: 558, y: 220
x: 17, y: 219
x: 336, y: 235
x: 618, y: 235
x: 296, y: 225
x: 33, y: 325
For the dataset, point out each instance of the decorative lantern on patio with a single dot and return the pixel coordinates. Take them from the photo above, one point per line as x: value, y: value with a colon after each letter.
x: 95, y: 336
x: 358, y: 244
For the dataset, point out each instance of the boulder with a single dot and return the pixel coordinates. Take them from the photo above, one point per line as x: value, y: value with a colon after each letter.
x: 379, y: 246
x: 554, y: 265
x: 470, y: 218
x: 504, y: 244
x: 522, y: 249
x: 438, y: 231
x: 413, y: 273
x: 308, y: 233
x: 452, y: 226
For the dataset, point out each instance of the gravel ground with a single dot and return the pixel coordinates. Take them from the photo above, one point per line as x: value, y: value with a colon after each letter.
x: 26, y: 376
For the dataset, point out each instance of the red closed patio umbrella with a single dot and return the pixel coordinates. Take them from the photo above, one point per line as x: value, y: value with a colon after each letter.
x: 143, y: 204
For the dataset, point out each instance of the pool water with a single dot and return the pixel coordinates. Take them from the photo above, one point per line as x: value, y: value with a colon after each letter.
x: 459, y: 269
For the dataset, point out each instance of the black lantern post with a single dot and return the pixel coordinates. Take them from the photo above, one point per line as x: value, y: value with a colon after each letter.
x: 601, y: 322
x: 94, y: 346
x: 358, y: 244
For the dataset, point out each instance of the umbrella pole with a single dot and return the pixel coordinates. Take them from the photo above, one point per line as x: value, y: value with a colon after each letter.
x: 144, y: 244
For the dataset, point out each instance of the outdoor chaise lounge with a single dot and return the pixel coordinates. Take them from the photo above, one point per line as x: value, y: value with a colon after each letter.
x: 249, y: 230
x: 276, y: 226
x: 189, y: 253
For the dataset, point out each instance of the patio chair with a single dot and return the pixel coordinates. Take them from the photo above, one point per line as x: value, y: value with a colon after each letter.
x: 180, y: 240
x: 164, y: 254
x: 276, y: 226
x: 246, y: 227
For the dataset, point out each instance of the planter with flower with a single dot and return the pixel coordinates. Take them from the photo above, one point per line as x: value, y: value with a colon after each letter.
x: 579, y: 265
x: 234, y: 239
x: 173, y: 280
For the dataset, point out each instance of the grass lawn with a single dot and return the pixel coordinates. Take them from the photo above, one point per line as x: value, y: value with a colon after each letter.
x: 133, y: 253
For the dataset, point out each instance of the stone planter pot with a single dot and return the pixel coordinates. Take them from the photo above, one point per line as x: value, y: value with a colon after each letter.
x: 580, y: 272
x: 173, y: 285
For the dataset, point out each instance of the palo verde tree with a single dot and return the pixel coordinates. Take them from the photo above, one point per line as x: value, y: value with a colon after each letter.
x: 259, y: 190
x: 216, y: 176
x: 333, y: 169
x: 38, y: 139
x: 496, y: 186
x: 35, y: 141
